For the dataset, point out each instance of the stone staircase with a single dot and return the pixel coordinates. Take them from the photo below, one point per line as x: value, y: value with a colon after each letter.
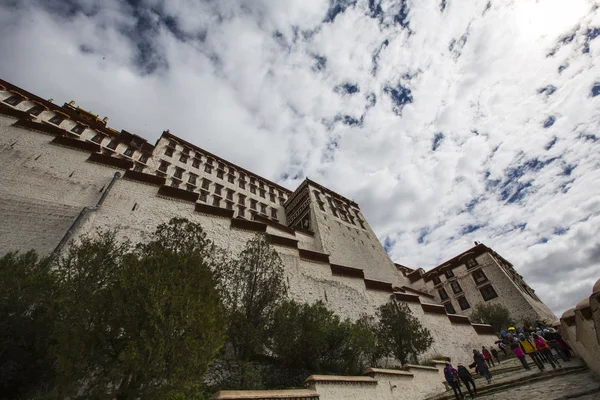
x: 511, y: 381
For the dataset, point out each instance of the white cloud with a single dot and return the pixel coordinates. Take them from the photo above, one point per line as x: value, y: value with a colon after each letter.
x: 245, y: 80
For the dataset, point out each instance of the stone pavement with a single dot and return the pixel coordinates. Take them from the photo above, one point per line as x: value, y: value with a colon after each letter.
x: 511, y: 382
x: 555, y: 388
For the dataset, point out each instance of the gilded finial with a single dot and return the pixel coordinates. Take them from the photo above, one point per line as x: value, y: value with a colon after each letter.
x: 72, y: 103
x: 105, y: 119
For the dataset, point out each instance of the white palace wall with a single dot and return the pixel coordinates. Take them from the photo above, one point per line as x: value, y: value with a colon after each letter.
x: 41, y: 198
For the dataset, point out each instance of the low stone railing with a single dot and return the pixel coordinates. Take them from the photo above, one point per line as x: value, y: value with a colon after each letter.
x: 412, y: 382
x: 580, y: 326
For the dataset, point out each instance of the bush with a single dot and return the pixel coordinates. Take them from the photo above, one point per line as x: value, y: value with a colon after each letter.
x: 495, y: 315
x: 311, y: 337
x: 400, y: 334
x: 252, y: 285
x: 140, y: 321
x: 27, y: 311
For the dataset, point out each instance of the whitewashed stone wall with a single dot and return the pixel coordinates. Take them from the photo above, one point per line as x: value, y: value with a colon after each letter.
x: 580, y: 327
x: 60, y: 182
x: 413, y: 383
x: 43, y: 188
x: 352, y: 245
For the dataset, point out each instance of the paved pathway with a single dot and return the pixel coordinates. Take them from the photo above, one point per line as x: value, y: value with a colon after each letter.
x: 512, y: 383
x: 559, y: 387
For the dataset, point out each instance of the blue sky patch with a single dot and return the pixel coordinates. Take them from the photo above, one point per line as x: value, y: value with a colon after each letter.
x: 551, y: 143
x: 347, y: 88
x: 560, y: 230
x: 465, y: 230
x: 596, y: 89
x: 547, y: 90
x: 400, y: 97
x: 320, y: 62
x: 549, y: 121
x: 437, y: 141
x: 371, y: 100
x: 336, y: 7
x: 375, y: 58
x: 590, y: 34
x: 375, y: 10
x: 443, y: 5
x: 401, y: 17
x: 423, y: 232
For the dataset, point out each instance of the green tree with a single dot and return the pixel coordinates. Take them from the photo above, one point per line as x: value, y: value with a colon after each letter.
x: 496, y: 315
x: 27, y: 311
x: 313, y: 338
x: 252, y: 285
x: 400, y: 334
x: 138, y: 321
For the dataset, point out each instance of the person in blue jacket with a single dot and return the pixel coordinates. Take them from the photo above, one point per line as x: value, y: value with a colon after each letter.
x: 451, y: 375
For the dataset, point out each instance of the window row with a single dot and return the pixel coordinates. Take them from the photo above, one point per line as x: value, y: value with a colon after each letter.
x: 209, y: 164
x: 479, y: 277
x: 230, y: 196
x: 462, y: 302
x: 192, y: 178
x: 487, y: 292
x: 449, y: 274
x: 112, y: 146
x: 35, y: 110
x: 77, y: 129
x: 338, y: 211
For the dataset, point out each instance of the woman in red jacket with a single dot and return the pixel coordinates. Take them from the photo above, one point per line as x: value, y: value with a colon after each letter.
x: 488, y: 356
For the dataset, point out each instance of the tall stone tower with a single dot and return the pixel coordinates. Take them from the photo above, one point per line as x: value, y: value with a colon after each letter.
x: 341, y: 231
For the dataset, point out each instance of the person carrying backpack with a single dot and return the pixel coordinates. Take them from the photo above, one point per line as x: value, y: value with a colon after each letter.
x: 544, y: 350
x: 451, y: 375
x: 528, y: 348
x: 520, y: 355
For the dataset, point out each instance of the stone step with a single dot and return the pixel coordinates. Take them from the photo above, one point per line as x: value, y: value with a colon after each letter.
x: 523, y: 380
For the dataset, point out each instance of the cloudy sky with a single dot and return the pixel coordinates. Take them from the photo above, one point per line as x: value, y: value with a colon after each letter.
x: 448, y: 121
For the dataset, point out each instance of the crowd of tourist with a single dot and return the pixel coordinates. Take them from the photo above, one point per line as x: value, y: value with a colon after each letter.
x: 536, y: 343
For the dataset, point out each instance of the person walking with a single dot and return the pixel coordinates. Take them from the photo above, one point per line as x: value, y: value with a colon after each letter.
x: 467, y: 379
x: 487, y: 356
x: 564, y: 345
x: 483, y: 369
x: 528, y: 348
x: 550, y: 335
x: 543, y: 348
x: 520, y: 355
x: 451, y: 375
x: 502, y: 346
x: 495, y: 355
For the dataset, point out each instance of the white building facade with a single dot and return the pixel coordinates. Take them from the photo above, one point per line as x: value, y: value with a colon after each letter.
x: 66, y: 174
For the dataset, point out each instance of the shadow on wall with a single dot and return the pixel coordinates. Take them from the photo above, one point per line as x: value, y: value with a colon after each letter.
x: 581, y: 328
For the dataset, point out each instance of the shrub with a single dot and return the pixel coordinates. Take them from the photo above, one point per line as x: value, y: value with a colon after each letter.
x: 400, y: 334
x: 495, y: 315
x: 136, y: 322
x: 311, y: 337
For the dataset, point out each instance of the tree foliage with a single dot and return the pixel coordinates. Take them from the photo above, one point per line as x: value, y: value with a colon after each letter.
x: 400, y: 334
x: 252, y: 285
x: 139, y: 320
x: 27, y: 311
x: 311, y: 337
x: 496, y: 315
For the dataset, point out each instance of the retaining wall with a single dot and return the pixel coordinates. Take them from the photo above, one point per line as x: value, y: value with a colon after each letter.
x: 580, y: 326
